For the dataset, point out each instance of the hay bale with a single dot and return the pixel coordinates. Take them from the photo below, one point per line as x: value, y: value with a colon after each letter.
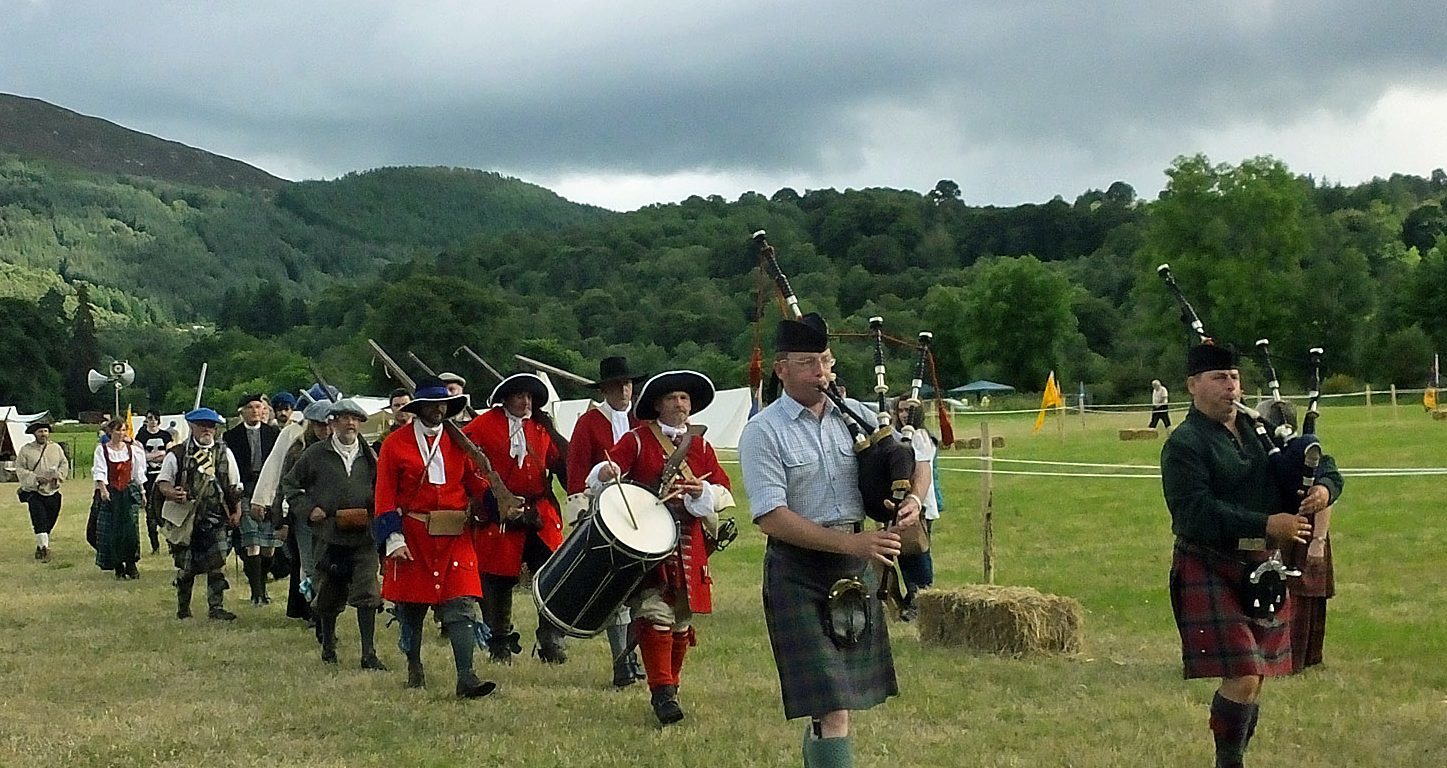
x: 1127, y: 434
x: 1005, y: 620
x: 1440, y: 414
x: 1148, y: 433
x: 973, y: 443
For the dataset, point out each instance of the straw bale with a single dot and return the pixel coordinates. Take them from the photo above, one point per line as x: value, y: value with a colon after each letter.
x: 1440, y: 414
x: 973, y: 443
x: 1005, y: 620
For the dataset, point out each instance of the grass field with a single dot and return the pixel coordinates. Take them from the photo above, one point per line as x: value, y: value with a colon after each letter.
x: 99, y: 673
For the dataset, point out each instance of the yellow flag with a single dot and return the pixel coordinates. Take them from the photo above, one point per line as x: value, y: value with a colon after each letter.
x: 130, y: 430
x: 1429, y: 399
x: 1051, y: 399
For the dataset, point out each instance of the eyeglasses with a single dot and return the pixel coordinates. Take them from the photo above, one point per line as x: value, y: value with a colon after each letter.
x: 820, y: 361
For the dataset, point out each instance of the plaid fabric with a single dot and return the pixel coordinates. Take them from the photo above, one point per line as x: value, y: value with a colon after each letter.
x: 258, y: 533
x: 1316, y: 579
x: 117, y: 536
x: 815, y: 676
x: 1308, y: 631
x: 208, y: 547
x: 1217, y: 640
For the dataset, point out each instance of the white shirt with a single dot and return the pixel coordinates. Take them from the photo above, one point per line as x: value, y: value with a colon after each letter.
x: 924, y: 453
x: 118, y: 452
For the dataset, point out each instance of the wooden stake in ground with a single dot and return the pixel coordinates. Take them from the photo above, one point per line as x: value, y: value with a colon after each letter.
x: 1394, y: 403
x: 987, y: 503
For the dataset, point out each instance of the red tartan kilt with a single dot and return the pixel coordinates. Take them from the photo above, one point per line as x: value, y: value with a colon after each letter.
x: 1217, y: 640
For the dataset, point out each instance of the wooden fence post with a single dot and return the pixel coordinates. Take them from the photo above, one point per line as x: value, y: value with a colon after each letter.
x: 987, y: 503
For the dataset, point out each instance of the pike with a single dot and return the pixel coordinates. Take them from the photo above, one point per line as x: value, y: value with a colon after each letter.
x: 480, y: 361
x: 554, y: 370
x: 509, y: 506
x: 200, y: 387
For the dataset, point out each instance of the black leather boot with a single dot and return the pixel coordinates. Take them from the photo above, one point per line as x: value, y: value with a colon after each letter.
x: 463, y: 637
x: 328, y: 626
x: 665, y: 704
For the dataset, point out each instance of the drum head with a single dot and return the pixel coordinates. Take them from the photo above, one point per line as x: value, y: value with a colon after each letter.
x: 649, y: 530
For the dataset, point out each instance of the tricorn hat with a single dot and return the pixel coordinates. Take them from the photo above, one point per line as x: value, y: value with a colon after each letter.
x: 807, y: 334
x: 614, y: 369
x: 1209, y: 357
x: 698, y: 386
x: 520, y: 382
x: 36, y: 425
x: 434, y: 390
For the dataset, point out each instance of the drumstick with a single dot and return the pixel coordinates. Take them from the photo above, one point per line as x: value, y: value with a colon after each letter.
x: 618, y: 481
x: 675, y: 494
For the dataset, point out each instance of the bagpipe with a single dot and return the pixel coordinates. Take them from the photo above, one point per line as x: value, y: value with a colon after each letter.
x: 1293, y: 459
x: 886, y: 464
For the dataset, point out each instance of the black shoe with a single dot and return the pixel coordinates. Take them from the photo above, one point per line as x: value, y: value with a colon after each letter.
x: 221, y: 614
x: 372, y: 662
x: 183, y: 612
x: 45, y: 554
x: 329, y: 655
x: 131, y: 572
x: 551, y: 654
x: 37, y: 552
x: 415, y: 677
x: 469, y: 687
x: 120, y: 573
x: 623, y: 675
x: 665, y: 704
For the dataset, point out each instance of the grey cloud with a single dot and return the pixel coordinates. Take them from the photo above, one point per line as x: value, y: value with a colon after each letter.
x: 644, y: 88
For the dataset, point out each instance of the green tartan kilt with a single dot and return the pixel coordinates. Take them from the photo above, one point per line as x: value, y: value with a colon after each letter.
x: 117, y: 535
x: 815, y: 675
x: 207, y: 548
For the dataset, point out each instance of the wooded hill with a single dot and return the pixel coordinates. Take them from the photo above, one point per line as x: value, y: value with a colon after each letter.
x: 428, y: 259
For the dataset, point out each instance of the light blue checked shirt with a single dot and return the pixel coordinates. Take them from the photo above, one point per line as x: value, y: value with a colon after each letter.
x: 792, y: 460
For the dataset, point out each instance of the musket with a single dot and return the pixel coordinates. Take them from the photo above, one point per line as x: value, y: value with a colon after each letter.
x: 322, y: 382
x: 554, y: 370
x: 508, y: 504
x: 480, y: 361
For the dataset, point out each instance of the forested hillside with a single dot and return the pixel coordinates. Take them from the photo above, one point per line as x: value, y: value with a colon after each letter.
x: 428, y: 259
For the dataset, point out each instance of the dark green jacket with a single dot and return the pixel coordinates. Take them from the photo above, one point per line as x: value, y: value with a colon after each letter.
x: 320, y: 479
x: 1219, y: 489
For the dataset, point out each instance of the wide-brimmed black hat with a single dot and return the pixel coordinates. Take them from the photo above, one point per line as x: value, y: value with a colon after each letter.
x: 434, y: 390
x: 807, y: 334
x: 698, y: 386
x: 1209, y: 357
x: 614, y: 369
x: 35, y: 425
x: 520, y: 382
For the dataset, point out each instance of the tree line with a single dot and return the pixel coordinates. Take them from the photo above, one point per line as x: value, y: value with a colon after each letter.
x: 1010, y: 293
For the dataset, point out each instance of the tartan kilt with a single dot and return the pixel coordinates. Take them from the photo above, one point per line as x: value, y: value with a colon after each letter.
x: 117, y: 538
x: 258, y: 533
x: 1217, y: 639
x: 815, y: 676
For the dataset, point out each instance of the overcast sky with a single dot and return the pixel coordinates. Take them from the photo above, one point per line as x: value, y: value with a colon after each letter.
x: 626, y: 103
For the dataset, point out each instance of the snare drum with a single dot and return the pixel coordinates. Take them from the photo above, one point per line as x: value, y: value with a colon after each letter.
x: 584, y: 583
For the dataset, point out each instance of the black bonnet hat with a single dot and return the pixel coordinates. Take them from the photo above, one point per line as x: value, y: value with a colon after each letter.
x: 1209, y: 357
x: 807, y: 334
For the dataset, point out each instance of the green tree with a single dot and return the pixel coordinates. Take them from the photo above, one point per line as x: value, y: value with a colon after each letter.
x: 1016, y: 315
x: 82, y: 353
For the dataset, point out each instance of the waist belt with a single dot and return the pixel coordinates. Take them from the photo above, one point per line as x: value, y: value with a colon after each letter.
x: 845, y: 525
x: 425, y: 516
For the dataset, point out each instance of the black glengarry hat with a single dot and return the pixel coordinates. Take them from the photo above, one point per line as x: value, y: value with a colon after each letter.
x: 1209, y: 357
x: 807, y: 334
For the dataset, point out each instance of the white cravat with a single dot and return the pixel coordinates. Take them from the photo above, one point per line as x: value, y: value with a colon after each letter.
x: 619, y: 420
x: 347, y: 452
x: 673, y: 433
x: 432, y: 457
x: 517, y: 440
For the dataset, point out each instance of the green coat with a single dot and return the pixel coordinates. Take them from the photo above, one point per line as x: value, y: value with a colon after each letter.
x: 319, y: 479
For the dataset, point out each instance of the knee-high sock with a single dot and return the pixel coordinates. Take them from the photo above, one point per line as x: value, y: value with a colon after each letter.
x: 463, y: 638
x: 656, y: 647
x: 681, y: 642
x: 367, y: 630
x: 1230, y: 725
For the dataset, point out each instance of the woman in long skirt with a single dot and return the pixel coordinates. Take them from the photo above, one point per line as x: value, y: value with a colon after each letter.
x: 119, y: 471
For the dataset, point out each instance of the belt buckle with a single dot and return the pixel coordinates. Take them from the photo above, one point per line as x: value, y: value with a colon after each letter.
x: 1251, y: 545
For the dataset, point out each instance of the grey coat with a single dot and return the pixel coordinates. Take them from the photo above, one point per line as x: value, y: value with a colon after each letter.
x: 319, y: 479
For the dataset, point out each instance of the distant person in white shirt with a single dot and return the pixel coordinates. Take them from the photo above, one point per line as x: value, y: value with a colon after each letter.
x: 1159, y: 404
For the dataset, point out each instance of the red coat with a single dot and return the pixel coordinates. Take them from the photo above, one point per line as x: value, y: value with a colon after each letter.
x: 442, y: 567
x: 592, y: 436
x: 499, y: 547
x: 684, y: 572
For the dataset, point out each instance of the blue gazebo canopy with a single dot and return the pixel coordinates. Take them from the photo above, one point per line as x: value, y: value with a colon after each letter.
x: 981, y: 387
